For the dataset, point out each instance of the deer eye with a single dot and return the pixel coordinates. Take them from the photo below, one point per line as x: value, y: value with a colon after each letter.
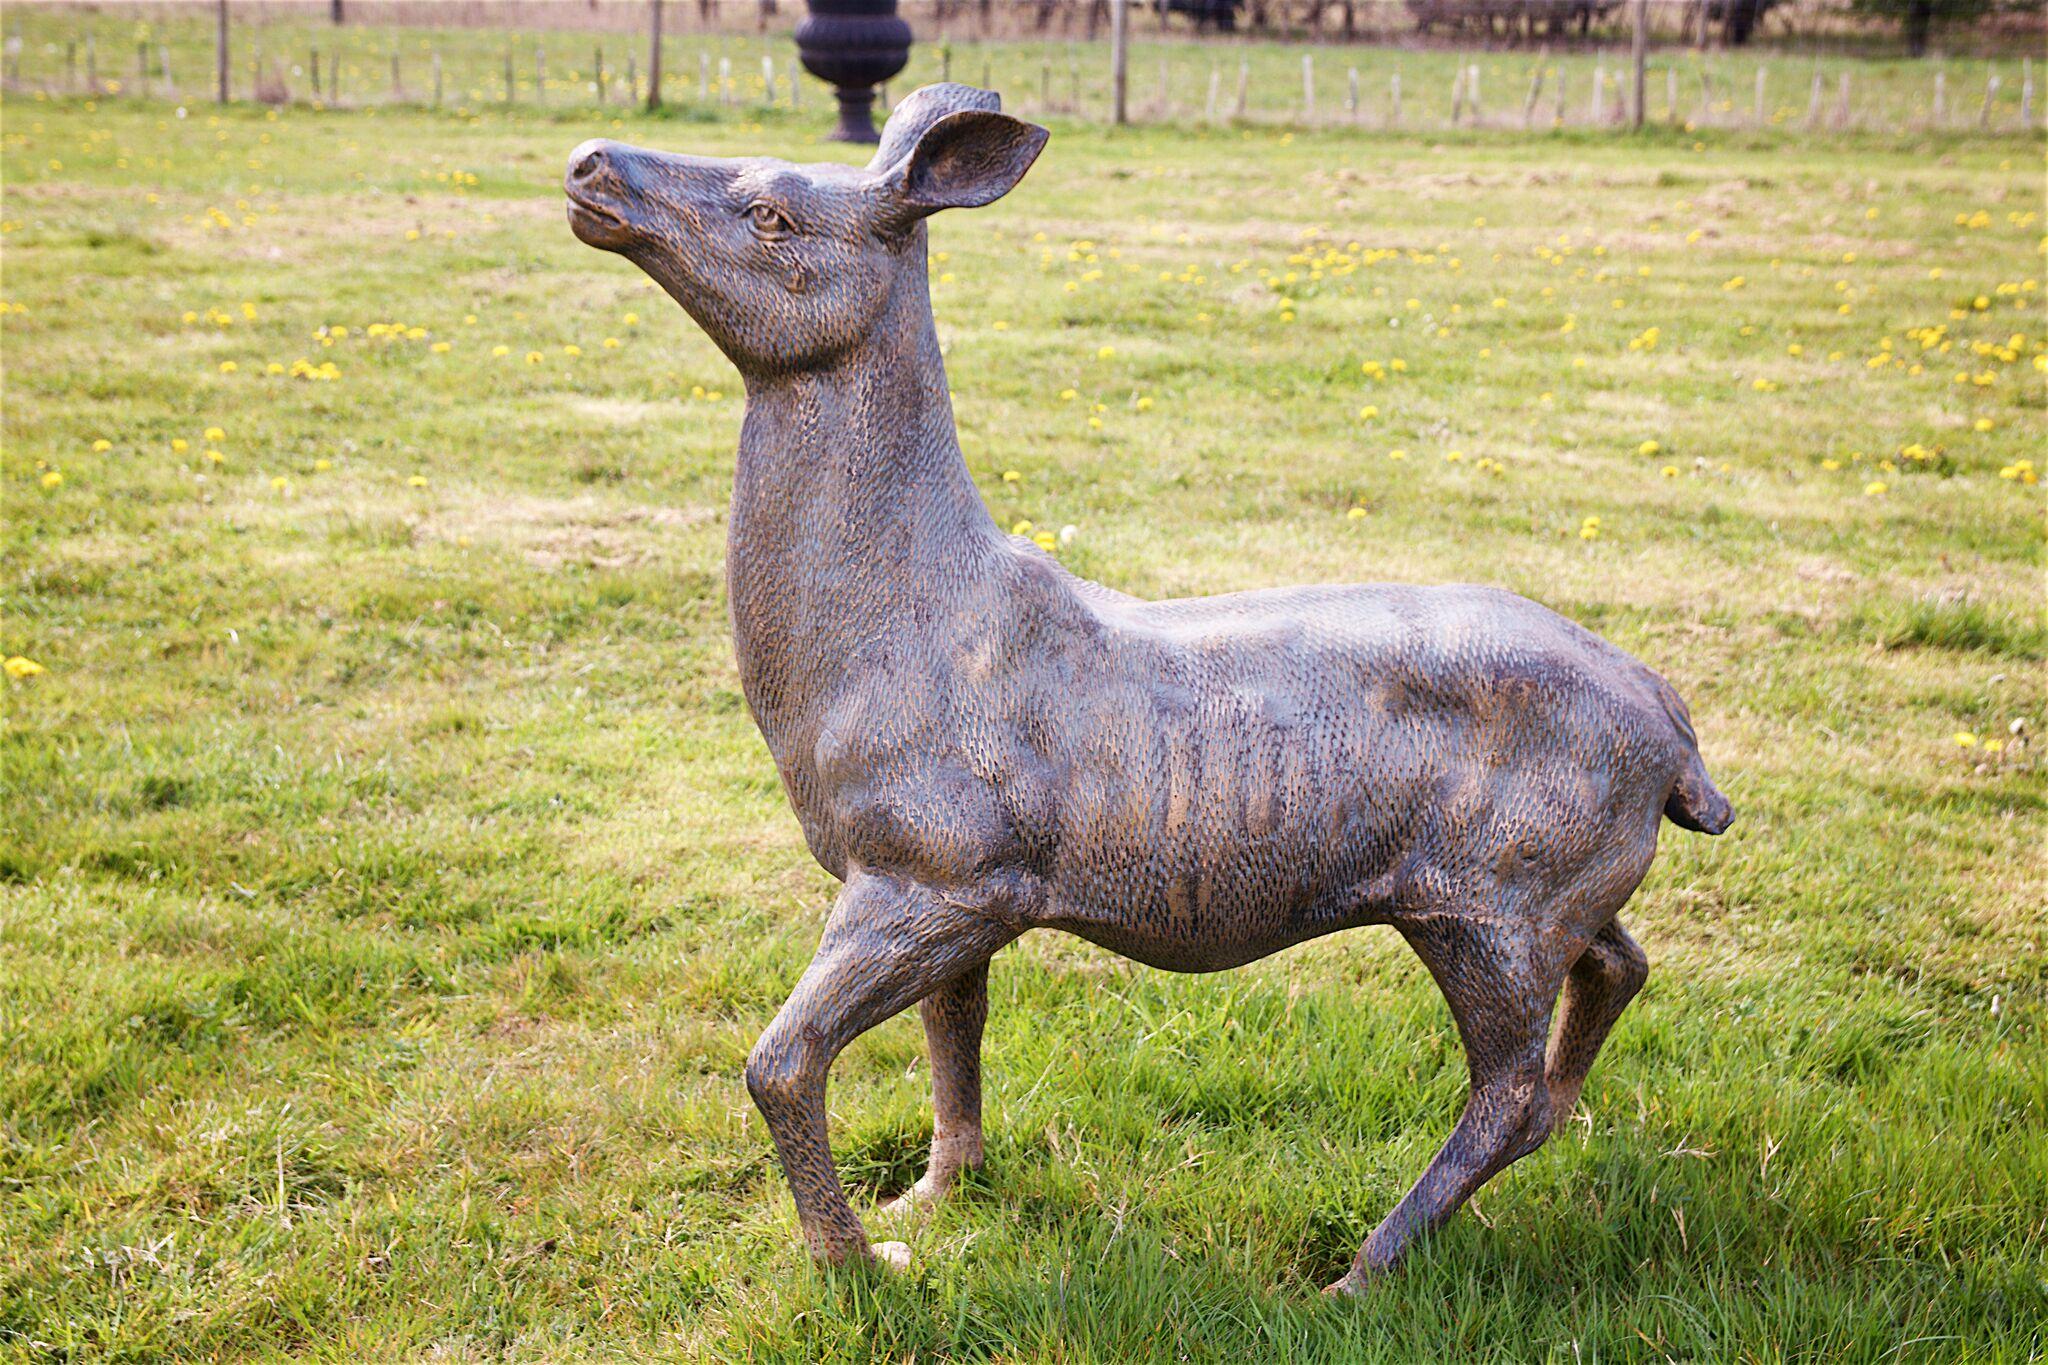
x: 768, y: 222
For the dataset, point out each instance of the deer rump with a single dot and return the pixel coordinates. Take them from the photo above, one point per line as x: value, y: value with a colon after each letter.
x: 1201, y: 782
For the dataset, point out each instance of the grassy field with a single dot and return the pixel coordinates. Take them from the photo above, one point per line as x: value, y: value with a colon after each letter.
x: 392, y: 881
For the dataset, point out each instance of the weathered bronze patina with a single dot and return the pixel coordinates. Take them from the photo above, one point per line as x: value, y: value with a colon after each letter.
x: 978, y: 743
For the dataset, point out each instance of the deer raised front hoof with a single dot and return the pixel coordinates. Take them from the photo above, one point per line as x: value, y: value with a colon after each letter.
x: 1353, y: 1283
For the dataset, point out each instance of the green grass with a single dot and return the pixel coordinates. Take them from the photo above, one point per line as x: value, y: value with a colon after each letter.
x: 392, y: 881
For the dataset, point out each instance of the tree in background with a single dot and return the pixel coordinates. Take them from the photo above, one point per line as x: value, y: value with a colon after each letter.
x: 1917, y: 18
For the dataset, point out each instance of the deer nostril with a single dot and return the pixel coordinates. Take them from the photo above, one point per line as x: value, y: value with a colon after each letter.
x: 587, y: 167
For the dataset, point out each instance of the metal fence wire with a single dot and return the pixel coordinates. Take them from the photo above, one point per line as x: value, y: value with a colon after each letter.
x: 1805, y: 66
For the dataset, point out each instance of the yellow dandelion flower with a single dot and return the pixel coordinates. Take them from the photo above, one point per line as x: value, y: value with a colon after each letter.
x: 1964, y: 739
x: 501, y: 350
x: 1876, y: 488
x: 1648, y: 448
x: 52, y: 479
x: 102, y: 446
x: 1012, y: 476
x: 19, y: 666
x: 228, y: 367
x: 416, y: 481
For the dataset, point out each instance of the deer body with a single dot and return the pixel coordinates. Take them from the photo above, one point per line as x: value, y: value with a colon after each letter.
x: 978, y: 743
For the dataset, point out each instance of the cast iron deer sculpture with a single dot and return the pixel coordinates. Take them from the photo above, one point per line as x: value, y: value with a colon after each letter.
x: 978, y: 743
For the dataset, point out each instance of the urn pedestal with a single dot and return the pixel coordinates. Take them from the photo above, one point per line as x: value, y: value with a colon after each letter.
x: 855, y: 45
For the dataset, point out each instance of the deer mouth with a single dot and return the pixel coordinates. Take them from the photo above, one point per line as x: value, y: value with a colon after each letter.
x: 596, y: 224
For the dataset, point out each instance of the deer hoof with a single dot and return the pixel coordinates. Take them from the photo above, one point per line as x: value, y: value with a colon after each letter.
x: 894, y: 1255
x: 1350, y: 1287
x: 922, y: 1195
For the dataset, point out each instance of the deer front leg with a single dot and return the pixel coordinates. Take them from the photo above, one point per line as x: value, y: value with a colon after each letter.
x: 888, y: 944
x: 953, y: 1019
x: 1500, y: 986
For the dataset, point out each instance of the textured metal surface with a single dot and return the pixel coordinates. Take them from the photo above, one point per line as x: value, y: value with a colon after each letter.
x: 978, y: 743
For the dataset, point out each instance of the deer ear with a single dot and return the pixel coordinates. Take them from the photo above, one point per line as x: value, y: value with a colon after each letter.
x: 965, y: 160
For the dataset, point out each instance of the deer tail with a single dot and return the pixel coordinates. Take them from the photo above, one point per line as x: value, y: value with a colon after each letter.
x: 1695, y: 802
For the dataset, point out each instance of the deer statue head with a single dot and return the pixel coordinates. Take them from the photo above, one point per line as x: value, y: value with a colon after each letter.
x: 790, y: 267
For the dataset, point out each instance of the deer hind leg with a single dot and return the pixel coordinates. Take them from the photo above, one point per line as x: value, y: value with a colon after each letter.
x: 1602, y: 982
x: 1501, y: 985
x: 953, y: 1019
x: 888, y: 944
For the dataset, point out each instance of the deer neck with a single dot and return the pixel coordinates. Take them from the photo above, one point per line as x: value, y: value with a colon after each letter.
x: 853, y: 518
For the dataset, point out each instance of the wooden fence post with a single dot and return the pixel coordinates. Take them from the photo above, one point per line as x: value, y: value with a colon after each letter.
x: 1119, y: 60
x: 220, y: 50
x: 654, y: 58
x: 1639, y: 54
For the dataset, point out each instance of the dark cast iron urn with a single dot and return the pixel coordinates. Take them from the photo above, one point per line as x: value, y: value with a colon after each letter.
x: 855, y: 45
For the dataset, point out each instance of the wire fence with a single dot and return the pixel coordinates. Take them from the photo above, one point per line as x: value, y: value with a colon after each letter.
x: 734, y: 56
